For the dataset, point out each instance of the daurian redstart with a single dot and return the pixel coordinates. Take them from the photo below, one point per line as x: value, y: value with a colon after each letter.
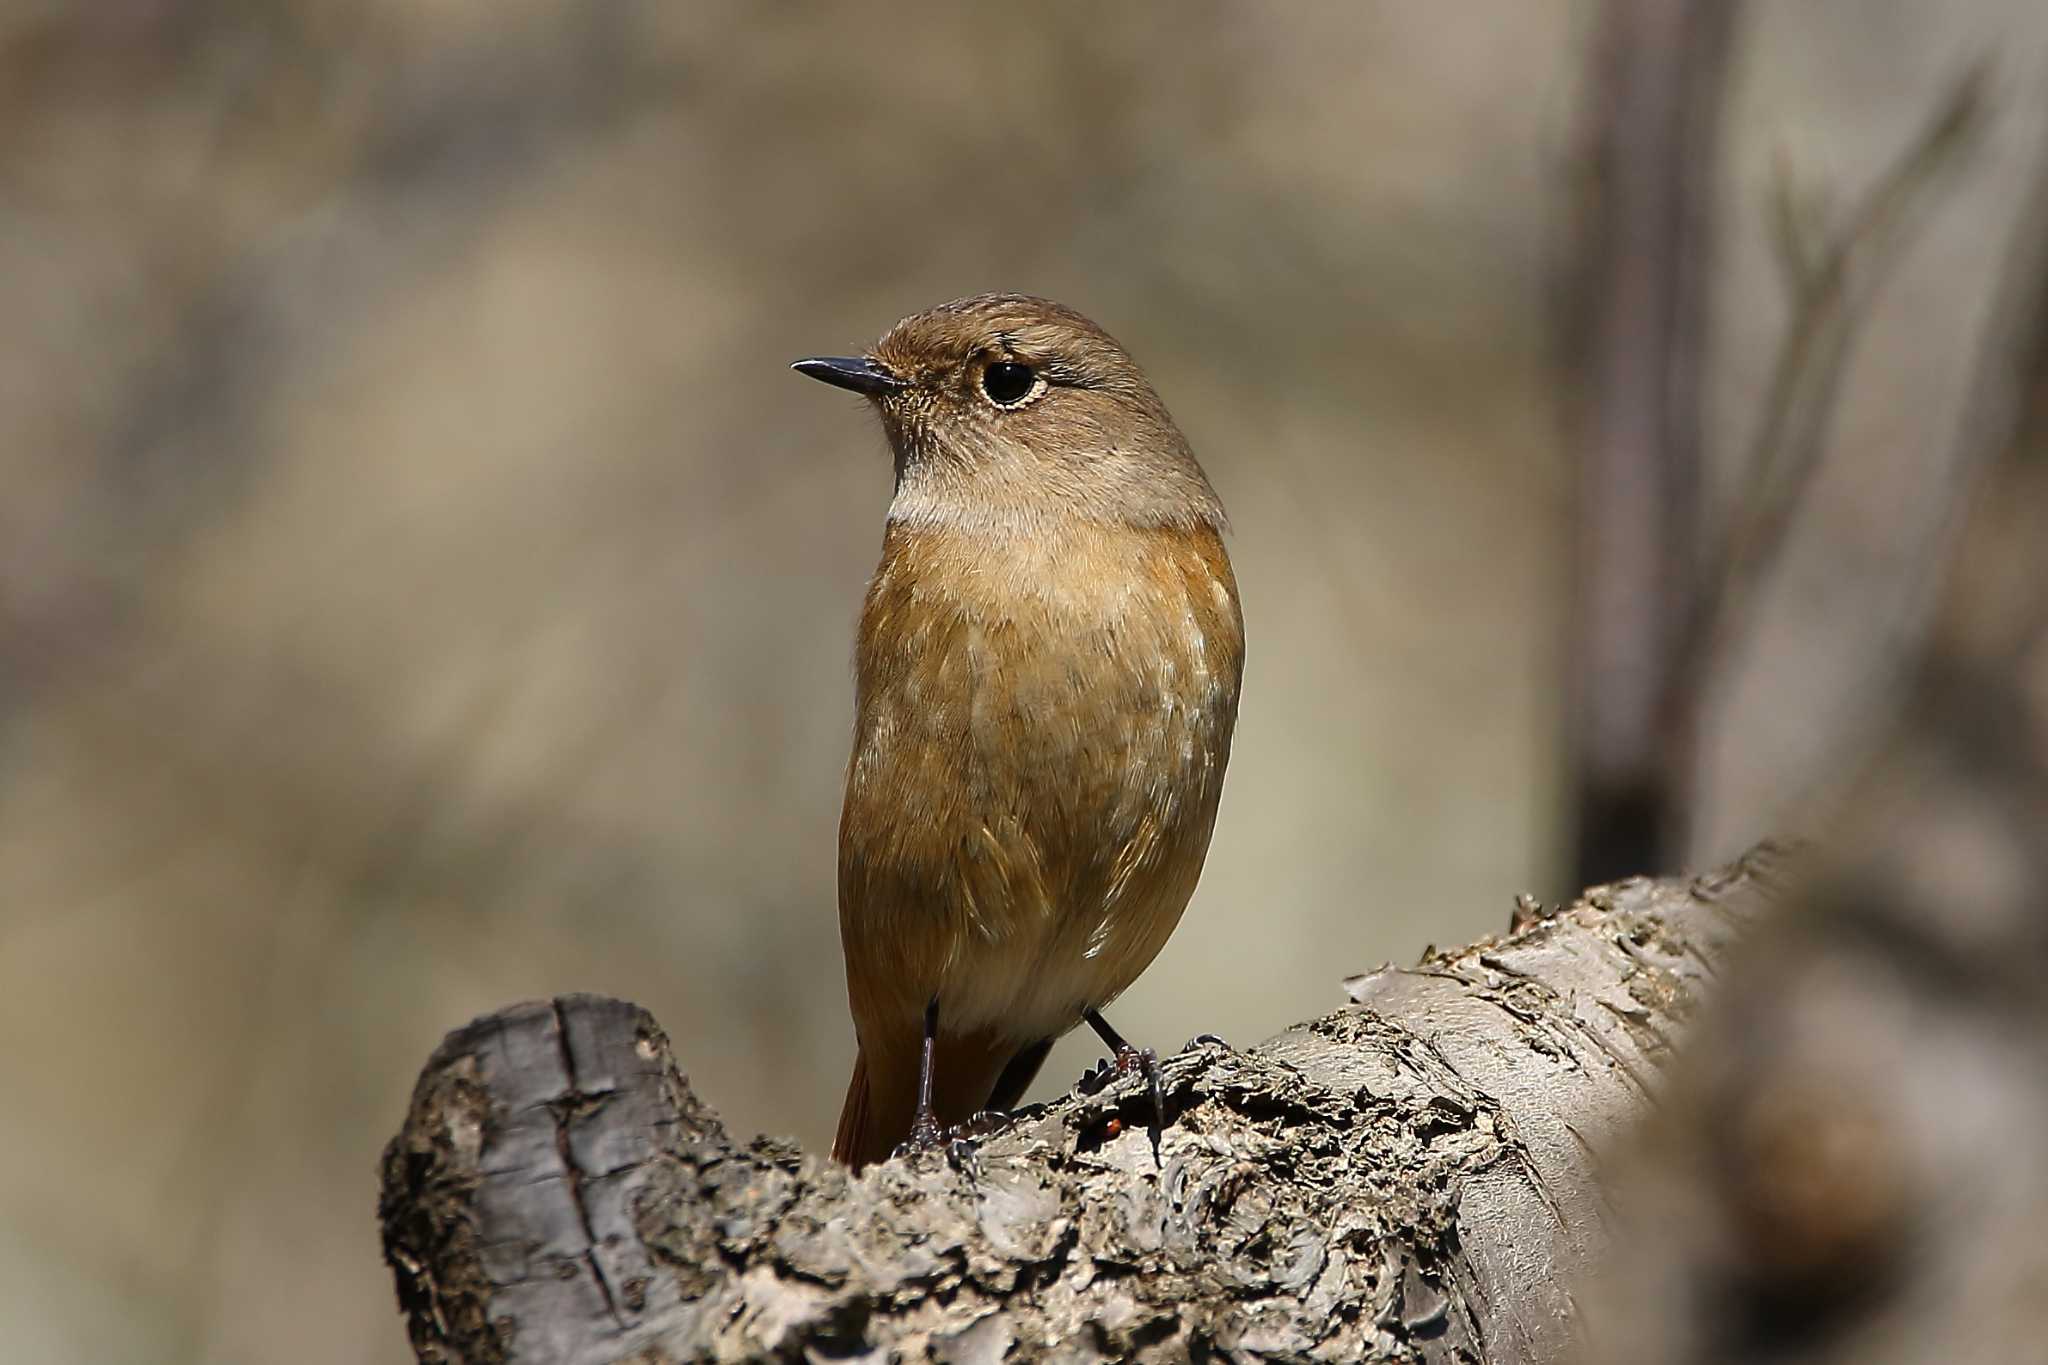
x: 1047, y: 680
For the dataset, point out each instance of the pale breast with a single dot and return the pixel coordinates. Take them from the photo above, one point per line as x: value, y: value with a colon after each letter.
x: 1040, y: 742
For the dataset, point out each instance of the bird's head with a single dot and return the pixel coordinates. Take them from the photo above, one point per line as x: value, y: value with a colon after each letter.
x: 1007, y: 411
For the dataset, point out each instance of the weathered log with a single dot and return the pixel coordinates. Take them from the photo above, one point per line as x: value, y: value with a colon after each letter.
x: 1409, y: 1177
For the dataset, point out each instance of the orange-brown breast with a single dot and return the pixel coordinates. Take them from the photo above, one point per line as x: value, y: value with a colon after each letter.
x: 1042, y: 725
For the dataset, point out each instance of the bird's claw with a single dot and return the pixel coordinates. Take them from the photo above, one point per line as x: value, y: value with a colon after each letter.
x: 960, y: 1141
x: 987, y: 1123
x: 1146, y: 1062
x: 965, y: 1155
x: 1133, y: 1061
x: 925, y: 1134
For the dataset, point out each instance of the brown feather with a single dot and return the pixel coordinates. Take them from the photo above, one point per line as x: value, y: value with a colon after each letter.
x: 857, y: 1139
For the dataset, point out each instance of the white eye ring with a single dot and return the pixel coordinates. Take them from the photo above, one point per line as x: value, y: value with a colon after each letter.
x: 1010, y: 384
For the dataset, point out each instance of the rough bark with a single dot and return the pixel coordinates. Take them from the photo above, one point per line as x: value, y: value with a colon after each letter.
x: 1407, y: 1178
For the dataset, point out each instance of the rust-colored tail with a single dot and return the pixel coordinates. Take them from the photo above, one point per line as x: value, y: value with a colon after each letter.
x: 861, y: 1139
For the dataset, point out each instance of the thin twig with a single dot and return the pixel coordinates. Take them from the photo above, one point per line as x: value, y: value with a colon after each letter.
x: 1829, y: 295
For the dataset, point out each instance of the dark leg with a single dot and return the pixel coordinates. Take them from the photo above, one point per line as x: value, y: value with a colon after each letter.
x: 924, y: 1127
x: 1130, y: 1059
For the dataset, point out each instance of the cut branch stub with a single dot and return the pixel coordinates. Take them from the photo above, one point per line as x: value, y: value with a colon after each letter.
x: 508, y: 1199
x: 1407, y: 1178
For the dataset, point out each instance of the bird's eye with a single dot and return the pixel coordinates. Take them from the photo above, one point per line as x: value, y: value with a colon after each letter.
x: 1006, y: 382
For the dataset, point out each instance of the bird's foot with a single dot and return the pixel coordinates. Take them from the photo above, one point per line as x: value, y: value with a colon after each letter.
x: 1133, y: 1061
x: 963, y: 1140
x: 987, y: 1123
x: 960, y: 1141
x: 1146, y: 1062
x: 965, y: 1157
x: 925, y: 1134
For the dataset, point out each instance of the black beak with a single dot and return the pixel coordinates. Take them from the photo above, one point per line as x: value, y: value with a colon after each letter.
x: 850, y: 372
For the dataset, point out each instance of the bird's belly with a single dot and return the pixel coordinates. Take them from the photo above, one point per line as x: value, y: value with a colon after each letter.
x: 1039, y: 745
x: 1079, y: 823
x: 1029, y: 811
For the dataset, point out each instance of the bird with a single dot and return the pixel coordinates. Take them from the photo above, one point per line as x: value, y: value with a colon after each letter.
x: 1047, y: 669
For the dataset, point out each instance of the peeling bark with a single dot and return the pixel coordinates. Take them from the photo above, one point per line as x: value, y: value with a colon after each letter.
x: 1408, y: 1178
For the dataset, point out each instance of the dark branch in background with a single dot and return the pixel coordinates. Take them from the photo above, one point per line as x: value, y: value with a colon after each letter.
x: 1656, y: 623
x: 1409, y: 1178
x: 1638, y: 322
x: 1850, y: 1166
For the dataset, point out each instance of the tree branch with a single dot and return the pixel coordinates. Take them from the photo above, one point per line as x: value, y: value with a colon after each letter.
x: 1638, y: 310
x: 1407, y: 1178
x: 1831, y: 283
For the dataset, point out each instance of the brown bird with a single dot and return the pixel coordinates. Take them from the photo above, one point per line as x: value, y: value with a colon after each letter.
x: 1047, y: 680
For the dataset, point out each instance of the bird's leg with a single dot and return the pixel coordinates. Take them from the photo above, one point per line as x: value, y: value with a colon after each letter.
x: 924, y: 1128
x: 1141, y: 1060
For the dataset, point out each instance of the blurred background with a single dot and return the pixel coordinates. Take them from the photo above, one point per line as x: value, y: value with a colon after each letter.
x: 423, y: 586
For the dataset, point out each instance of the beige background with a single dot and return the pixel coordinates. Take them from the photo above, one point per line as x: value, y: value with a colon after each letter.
x: 422, y: 585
